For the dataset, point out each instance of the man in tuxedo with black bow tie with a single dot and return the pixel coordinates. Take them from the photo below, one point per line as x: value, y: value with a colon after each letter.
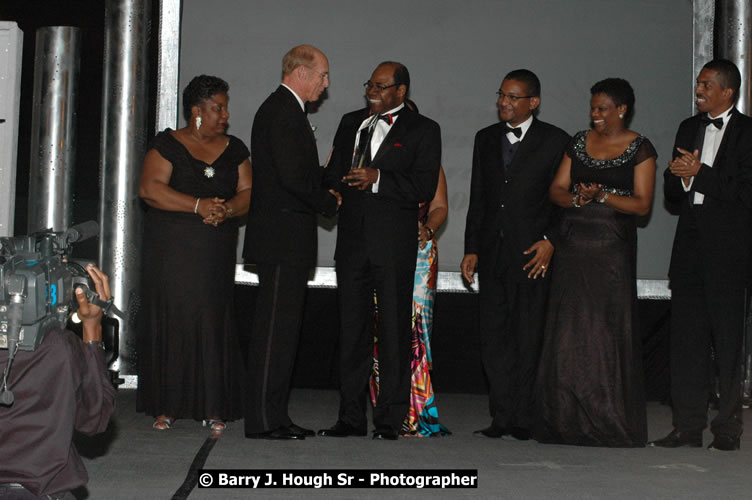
x: 509, y: 239
x: 280, y: 237
x: 386, y: 162
x: 710, y: 176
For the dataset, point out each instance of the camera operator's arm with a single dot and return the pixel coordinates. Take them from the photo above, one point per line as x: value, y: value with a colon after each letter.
x: 95, y: 395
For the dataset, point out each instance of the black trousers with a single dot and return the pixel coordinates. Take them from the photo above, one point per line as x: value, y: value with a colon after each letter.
x: 273, y: 345
x: 512, y: 319
x: 706, y: 310
x: 702, y: 316
x: 357, y: 279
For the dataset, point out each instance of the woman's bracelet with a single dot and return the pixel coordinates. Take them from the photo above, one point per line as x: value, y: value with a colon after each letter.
x: 228, y: 211
x: 195, y: 208
x: 603, y: 198
x: 430, y: 232
x: 574, y: 202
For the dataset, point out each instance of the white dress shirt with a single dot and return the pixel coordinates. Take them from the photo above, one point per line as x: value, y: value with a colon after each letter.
x: 710, y: 145
x: 381, y: 129
x: 524, y: 126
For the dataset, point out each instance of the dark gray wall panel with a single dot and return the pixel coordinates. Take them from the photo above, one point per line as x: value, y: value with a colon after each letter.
x: 457, y: 53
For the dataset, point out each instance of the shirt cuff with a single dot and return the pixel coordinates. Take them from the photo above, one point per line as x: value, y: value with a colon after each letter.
x: 687, y: 188
x: 375, y: 185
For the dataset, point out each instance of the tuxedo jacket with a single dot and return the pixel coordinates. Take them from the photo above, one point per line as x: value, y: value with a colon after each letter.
x: 385, y: 224
x: 510, y: 211
x: 287, y: 187
x: 721, y: 231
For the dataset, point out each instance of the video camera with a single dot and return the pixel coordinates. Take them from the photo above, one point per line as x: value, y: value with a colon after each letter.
x: 37, y: 283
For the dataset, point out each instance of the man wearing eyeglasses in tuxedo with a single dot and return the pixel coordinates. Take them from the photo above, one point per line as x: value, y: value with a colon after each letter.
x: 509, y: 236
x: 385, y: 162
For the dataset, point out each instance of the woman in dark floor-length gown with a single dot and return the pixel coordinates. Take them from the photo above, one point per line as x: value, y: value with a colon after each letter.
x: 590, y: 388
x: 196, y: 180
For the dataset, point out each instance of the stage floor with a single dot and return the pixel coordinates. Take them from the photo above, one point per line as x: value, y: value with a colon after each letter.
x: 134, y: 461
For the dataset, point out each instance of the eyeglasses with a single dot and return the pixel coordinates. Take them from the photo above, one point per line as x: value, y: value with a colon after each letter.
x: 512, y: 98
x: 370, y: 85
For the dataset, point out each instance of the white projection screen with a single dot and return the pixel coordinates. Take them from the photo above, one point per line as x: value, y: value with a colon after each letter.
x: 457, y: 53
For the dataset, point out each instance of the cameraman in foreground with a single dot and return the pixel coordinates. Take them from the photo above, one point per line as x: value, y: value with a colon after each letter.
x: 61, y: 386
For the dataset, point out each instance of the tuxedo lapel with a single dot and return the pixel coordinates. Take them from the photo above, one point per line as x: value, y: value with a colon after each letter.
x: 729, y: 137
x: 309, y: 128
x: 496, y: 152
x: 398, y: 129
x: 296, y: 112
x: 699, y: 138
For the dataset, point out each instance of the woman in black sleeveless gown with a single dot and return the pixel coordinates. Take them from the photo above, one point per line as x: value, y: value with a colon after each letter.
x: 590, y: 387
x: 196, y: 181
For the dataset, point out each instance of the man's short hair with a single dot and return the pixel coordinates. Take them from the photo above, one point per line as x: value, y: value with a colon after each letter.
x: 620, y: 91
x: 401, y: 75
x: 728, y: 74
x: 302, y: 55
x: 528, y: 78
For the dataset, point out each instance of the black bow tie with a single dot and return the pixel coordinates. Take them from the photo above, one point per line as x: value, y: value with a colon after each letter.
x: 389, y: 117
x: 718, y: 122
x: 517, y: 131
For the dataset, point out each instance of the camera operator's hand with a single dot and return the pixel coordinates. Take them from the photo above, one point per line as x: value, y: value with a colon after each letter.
x: 90, y: 314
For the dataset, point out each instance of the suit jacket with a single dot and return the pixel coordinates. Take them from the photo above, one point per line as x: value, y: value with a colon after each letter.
x: 287, y: 185
x: 508, y: 213
x: 724, y: 224
x: 385, y: 224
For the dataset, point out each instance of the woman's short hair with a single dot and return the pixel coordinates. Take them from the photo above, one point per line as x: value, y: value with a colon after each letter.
x: 620, y: 91
x: 200, y: 89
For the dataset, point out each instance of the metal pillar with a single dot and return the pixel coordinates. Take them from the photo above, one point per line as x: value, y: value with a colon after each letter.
x: 168, y: 64
x: 11, y: 45
x: 124, y: 125
x: 57, y: 64
x: 733, y: 41
x: 702, y: 41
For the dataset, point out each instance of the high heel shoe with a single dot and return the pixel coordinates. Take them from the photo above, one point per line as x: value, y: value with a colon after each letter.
x: 215, y: 425
x: 163, y: 422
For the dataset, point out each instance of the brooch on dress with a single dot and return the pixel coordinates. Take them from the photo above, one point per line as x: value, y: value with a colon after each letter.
x: 208, y: 172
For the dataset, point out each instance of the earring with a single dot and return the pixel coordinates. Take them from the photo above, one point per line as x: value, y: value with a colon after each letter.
x: 198, y: 122
x: 621, y: 116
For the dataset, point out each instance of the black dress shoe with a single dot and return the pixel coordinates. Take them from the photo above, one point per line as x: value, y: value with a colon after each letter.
x: 300, y: 430
x: 724, y: 443
x: 519, y: 433
x: 492, y: 431
x: 278, y: 433
x: 341, y: 430
x: 675, y: 439
x: 386, y: 433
